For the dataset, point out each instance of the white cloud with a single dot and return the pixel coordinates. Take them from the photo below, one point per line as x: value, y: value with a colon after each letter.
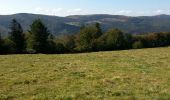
x: 58, y: 11
x: 38, y: 9
x: 74, y: 10
x: 123, y: 12
x: 77, y: 10
x: 140, y: 13
x: 159, y: 11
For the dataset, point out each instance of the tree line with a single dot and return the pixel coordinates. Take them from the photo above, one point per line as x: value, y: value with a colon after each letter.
x: 90, y: 38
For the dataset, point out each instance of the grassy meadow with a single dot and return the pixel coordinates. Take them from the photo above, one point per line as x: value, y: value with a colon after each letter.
x: 119, y: 75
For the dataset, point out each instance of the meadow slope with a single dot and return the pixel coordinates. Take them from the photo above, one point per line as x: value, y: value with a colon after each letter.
x: 130, y: 75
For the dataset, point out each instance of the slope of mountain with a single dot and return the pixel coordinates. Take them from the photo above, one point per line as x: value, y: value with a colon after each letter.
x: 72, y: 24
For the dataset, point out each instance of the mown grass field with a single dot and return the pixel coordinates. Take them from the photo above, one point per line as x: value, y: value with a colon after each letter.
x: 121, y: 75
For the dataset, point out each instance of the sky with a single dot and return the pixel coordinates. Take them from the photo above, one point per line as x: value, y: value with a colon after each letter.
x: 83, y: 7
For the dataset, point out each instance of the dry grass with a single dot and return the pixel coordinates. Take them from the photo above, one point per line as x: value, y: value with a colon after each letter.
x: 134, y: 74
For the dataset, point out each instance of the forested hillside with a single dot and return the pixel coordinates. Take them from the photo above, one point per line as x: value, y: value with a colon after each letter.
x: 38, y: 39
x: 72, y: 24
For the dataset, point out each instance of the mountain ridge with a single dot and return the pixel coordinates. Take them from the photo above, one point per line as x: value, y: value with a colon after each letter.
x: 71, y: 24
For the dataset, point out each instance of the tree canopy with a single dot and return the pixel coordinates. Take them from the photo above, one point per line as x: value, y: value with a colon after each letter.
x: 38, y: 40
x: 17, y: 36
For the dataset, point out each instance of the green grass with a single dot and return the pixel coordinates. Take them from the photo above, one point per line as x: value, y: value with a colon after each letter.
x: 129, y: 75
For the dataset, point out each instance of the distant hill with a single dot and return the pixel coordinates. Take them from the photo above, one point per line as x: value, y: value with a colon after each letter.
x: 71, y: 24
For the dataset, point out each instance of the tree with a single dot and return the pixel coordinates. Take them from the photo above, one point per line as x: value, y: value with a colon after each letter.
x: 52, y: 48
x: 162, y: 40
x: 137, y: 45
x: 38, y: 39
x: 69, y: 42
x: 128, y: 41
x: 99, y: 30
x: 1, y: 43
x: 168, y: 38
x: 113, y: 40
x: 17, y: 36
x: 60, y: 48
x: 9, y: 46
x: 84, y: 40
x: 96, y: 38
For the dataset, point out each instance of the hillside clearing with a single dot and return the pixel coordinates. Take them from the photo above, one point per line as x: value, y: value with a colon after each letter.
x: 133, y: 74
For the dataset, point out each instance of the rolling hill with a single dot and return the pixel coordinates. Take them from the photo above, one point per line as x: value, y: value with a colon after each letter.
x: 71, y: 24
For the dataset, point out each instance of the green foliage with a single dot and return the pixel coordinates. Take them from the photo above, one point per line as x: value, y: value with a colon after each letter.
x: 162, y: 39
x: 51, y: 44
x: 90, y: 38
x: 0, y: 43
x: 9, y: 46
x: 128, y: 41
x: 60, y: 48
x: 96, y: 41
x: 38, y: 40
x: 84, y: 40
x: 153, y: 39
x: 17, y: 36
x: 2, y: 47
x: 69, y: 42
x: 137, y: 45
x: 87, y: 39
x: 99, y: 30
x: 113, y: 39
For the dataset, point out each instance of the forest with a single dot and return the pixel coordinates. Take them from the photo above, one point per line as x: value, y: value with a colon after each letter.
x: 90, y: 38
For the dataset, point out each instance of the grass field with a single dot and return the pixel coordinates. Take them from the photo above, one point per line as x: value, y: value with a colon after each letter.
x: 121, y: 75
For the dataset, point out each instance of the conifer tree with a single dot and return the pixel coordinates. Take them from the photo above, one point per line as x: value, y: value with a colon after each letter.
x: 17, y: 36
x: 99, y: 30
x: 38, y: 40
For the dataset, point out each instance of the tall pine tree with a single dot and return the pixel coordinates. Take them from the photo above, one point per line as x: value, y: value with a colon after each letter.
x: 17, y: 36
x: 99, y: 30
x: 38, y: 40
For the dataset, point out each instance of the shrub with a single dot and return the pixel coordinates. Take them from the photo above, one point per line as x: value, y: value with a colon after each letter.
x: 137, y: 45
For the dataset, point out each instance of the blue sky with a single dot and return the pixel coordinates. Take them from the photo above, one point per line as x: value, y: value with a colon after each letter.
x: 81, y: 7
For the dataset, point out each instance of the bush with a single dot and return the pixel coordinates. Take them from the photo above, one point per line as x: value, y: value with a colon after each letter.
x: 60, y: 48
x: 9, y: 46
x: 137, y: 45
x: 69, y: 42
x: 114, y: 39
x: 31, y: 51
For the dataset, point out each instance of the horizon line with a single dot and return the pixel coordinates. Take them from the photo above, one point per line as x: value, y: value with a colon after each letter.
x: 83, y: 14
